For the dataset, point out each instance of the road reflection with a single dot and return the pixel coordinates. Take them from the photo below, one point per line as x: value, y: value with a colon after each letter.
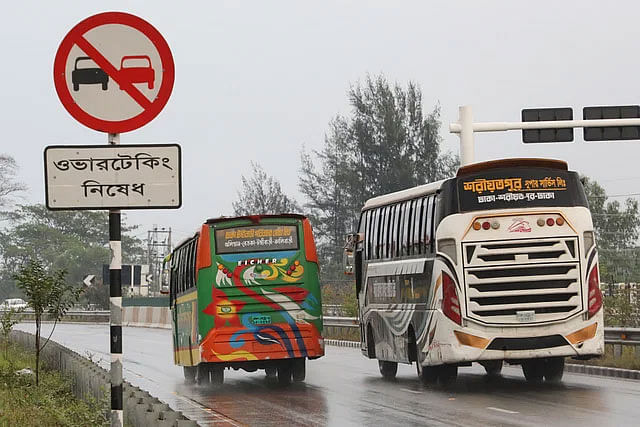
x: 252, y: 399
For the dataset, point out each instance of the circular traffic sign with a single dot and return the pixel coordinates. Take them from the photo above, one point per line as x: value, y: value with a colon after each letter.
x: 113, y: 72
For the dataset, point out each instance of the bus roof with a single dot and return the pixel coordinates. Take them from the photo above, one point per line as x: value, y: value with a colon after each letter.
x: 401, y: 195
x: 254, y: 218
x: 509, y: 163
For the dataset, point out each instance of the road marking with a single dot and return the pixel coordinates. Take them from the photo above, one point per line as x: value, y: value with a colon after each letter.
x: 505, y: 411
x: 411, y: 391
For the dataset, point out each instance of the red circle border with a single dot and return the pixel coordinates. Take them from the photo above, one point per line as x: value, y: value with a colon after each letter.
x: 168, y: 74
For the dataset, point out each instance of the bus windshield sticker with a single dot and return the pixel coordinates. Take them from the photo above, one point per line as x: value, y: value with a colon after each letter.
x: 258, y: 238
x: 509, y: 188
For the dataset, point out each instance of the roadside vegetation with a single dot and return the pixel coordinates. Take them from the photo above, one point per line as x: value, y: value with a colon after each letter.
x: 628, y: 360
x: 51, y: 403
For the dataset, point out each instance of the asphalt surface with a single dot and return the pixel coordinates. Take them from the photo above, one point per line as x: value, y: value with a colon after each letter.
x: 344, y: 388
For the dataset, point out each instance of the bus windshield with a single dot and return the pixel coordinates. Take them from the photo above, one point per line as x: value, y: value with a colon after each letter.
x: 257, y: 238
x: 516, y: 187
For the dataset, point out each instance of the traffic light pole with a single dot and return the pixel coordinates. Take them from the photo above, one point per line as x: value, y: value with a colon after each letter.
x: 115, y: 318
x: 465, y: 128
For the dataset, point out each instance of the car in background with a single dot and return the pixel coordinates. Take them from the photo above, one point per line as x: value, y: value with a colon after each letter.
x: 87, y: 75
x: 13, y: 303
x: 137, y: 72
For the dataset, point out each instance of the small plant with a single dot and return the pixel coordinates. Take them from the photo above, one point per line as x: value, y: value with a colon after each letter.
x: 46, y: 293
x: 8, y: 320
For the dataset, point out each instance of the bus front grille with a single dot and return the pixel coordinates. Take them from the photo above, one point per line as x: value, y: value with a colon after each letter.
x: 522, y: 282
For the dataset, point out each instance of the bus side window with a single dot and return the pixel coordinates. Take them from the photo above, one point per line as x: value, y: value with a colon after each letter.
x: 189, y: 266
x: 405, y: 223
x: 378, y: 249
x: 387, y: 235
x: 391, y: 226
x: 364, y: 222
x: 418, y: 226
x: 430, y: 227
x: 426, y: 213
x: 412, y: 227
x: 396, y: 231
x: 181, y: 270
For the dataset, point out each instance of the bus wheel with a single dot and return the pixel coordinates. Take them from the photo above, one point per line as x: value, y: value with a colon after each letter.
x: 203, y: 378
x: 299, y: 369
x: 190, y: 374
x: 270, y: 372
x: 284, y: 373
x: 217, y: 376
x: 428, y: 374
x: 388, y: 369
x: 447, y: 374
x: 533, y: 370
x: 553, y: 369
x: 493, y: 367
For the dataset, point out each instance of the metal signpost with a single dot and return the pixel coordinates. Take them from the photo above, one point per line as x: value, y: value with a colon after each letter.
x: 114, y: 73
x: 465, y: 127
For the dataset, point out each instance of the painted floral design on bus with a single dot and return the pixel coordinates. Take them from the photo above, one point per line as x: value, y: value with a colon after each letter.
x: 260, y: 312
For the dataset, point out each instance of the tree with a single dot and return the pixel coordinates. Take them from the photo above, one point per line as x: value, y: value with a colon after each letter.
x: 76, y: 241
x: 261, y: 194
x: 8, y: 184
x: 386, y: 144
x: 617, y: 228
x: 46, y: 293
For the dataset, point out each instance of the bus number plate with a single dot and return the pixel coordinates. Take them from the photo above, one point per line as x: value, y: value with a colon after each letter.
x: 261, y: 320
x: 526, y: 316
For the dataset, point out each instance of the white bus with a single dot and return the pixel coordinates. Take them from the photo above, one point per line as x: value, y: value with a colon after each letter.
x: 497, y: 264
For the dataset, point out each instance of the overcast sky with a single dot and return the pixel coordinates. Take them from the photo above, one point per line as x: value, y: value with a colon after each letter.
x: 256, y: 80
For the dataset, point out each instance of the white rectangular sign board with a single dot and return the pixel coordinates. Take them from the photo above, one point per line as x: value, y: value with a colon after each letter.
x: 113, y: 176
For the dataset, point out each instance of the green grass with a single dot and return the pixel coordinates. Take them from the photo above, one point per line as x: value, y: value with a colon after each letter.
x: 628, y: 360
x: 52, y: 403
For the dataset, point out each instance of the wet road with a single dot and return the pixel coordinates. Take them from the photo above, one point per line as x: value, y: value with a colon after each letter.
x: 344, y: 388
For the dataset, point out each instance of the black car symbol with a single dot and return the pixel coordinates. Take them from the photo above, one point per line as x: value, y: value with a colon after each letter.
x: 88, y: 76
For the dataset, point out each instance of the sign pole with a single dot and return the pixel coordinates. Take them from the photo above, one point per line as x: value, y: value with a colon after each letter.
x: 115, y: 319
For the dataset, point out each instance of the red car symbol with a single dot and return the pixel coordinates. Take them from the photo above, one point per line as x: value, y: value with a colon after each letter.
x: 137, y: 73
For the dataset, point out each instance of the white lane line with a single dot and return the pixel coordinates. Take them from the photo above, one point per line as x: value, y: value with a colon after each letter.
x: 411, y: 391
x: 504, y: 411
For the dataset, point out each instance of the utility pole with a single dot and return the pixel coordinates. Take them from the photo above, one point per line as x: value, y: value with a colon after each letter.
x: 158, y: 247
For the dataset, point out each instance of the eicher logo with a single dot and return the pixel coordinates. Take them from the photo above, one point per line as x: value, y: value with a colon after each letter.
x: 520, y: 226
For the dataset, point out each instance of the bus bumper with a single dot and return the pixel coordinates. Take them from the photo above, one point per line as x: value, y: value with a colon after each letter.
x: 449, y: 343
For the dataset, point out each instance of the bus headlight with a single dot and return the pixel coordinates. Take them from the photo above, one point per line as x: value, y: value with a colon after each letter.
x: 448, y: 247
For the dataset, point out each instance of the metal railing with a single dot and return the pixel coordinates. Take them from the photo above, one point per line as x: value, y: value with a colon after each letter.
x: 612, y: 335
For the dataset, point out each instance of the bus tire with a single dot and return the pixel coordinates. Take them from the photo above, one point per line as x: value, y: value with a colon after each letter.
x: 299, y: 369
x: 493, y: 367
x: 388, y: 369
x: 371, y: 344
x: 203, y: 375
x: 447, y: 374
x: 428, y: 374
x: 271, y: 372
x: 533, y: 370
x: 217, y: 376
x: 553, y: 369
x: 285, y: 372
x: 190, y: 374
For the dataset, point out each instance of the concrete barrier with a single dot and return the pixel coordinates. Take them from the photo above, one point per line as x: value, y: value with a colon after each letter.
x: 147, y: 317
x: 89, y: 379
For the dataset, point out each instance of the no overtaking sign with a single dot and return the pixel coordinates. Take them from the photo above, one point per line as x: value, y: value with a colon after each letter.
x: 114, y: 72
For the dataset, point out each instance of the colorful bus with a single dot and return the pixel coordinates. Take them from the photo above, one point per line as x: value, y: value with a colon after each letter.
x: 497, y: 264
x: 245, y: 294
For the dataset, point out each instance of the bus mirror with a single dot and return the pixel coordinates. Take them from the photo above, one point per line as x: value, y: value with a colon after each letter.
x: 347, y: 257
x: 347, y: 260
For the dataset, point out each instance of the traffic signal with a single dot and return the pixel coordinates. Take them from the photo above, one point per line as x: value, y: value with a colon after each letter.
x: 547, y: 135
x: 613, y: 133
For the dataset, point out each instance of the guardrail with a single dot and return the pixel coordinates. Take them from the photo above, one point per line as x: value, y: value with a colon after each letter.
x: 617, y: 336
